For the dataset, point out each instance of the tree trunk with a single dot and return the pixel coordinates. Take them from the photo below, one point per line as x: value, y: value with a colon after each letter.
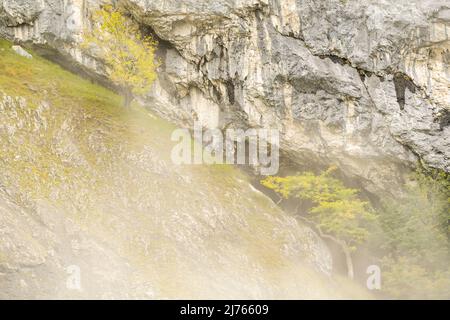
x: 342, y: 244
x: 127, y: 98
x: 349, y: 261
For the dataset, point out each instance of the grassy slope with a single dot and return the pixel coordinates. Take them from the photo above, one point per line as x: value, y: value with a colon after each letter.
x: 87, y: 106
x: 38, y: 78
x: 73, y: 154
x: 87, y: 161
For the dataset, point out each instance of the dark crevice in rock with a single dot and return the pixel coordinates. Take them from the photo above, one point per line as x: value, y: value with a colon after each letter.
x: 230, y: 91
x: 336, y: 59
x: 363, y: 74
x: 401, y: 83
x: 401, y: 80
x: 216, y: 93
x: 444, y: 119
x: 163, y: 45
x: 200, y: 63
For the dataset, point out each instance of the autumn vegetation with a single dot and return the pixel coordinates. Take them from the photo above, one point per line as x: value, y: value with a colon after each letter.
x: 409, y: 234
x: 129, y: 56
x: 336, y: 211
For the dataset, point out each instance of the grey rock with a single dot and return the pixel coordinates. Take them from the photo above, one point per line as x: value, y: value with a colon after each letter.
x: 21, y: 52
x: 17, y: 12
x: 360, y: 84
x: 132, y: 223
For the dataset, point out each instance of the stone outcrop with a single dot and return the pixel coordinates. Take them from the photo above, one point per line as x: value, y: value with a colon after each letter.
x: 88, y: 209
x: 18, y: 12
x: 361, y: 84
x: 21, y: 52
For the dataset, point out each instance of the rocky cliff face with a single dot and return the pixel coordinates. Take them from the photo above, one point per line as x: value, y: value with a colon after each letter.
x: 361, y: 84
x: 92, y: 205
x: 130, y: 224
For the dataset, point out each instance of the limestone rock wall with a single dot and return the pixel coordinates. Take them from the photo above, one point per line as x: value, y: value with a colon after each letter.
x: 361, y: 84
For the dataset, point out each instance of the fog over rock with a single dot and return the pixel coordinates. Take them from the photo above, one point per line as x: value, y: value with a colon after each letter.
x: 364, y: 85
x: 87, y: 195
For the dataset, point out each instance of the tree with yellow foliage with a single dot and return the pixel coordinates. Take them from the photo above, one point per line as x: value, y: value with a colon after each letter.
x: 335, y: 211
x: 128, y: 55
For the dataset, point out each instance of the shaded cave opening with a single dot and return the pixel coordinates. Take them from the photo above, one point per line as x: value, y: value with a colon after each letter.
x: 401, y: 83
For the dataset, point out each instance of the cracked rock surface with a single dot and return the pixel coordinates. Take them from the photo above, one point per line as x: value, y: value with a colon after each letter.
x: 361, y: 84
x: 92, y: 207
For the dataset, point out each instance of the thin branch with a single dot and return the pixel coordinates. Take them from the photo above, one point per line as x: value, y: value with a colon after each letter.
x: 279, y: 200
x: 319, y: 230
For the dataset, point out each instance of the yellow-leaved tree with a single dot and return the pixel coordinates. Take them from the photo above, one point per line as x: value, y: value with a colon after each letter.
x: 128, y: 55
x: 335, y: 211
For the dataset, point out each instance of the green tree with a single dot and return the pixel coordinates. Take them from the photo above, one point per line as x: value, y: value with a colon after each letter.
x: 405, y: 278
x: 128, y: 55
x: 336, y: 211
x: 415, y: 238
